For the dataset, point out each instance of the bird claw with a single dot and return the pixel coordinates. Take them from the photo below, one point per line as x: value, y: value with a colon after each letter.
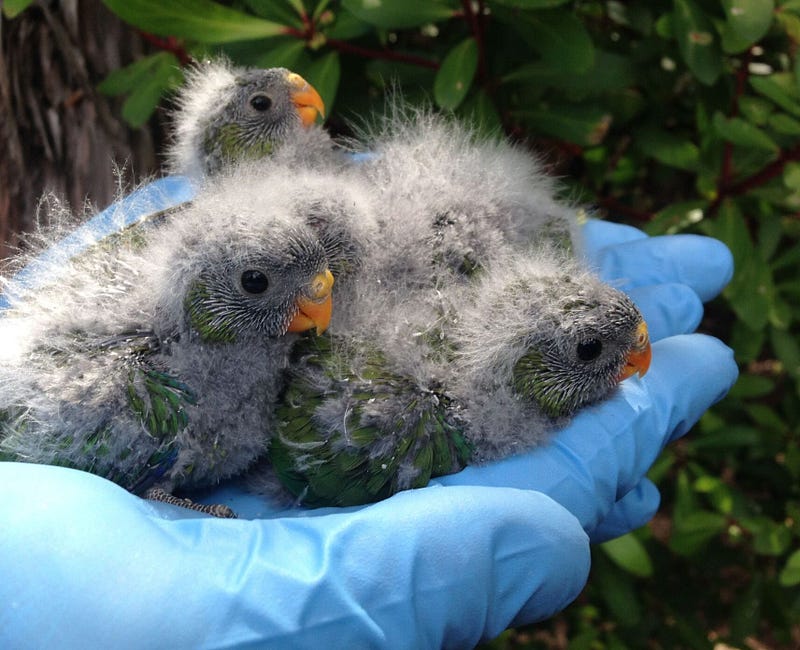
x: 215, y: 510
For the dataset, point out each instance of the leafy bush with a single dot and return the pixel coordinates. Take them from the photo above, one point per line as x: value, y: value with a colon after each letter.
x: 674, y: 115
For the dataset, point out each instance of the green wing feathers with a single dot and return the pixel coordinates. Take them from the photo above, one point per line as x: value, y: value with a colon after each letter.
x: 361, y: 458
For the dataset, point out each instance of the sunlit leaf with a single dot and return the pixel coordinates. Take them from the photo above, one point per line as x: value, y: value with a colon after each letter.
x: 398, y: 14
x: 790, y: 23
x: 455, y: 75
x: 790, y: 574
x: 629, y: 553
x: 12, y: 8
x: 199, y: 20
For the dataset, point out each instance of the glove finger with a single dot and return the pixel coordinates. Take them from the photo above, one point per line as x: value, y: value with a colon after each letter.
x: 608, y: 448
x: 702, y: 263
x: 632, y: 511
x: 427, y: 568
x: 598, y: 234
x: 668, y: 309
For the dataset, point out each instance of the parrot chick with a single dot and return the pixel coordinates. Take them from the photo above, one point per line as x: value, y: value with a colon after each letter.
x: 227, y: 114
x: 487, y: 372
x: 542, y: 338
x: 157, y: 364
x: 453, y: 199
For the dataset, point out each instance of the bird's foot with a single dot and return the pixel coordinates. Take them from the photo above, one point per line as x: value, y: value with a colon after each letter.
x: 215, y: 510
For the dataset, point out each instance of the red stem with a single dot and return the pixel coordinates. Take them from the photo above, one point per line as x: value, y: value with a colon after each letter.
x: 168, y: 44
x: 344, y: 46
x: 726, y: 173
x: 769, y: 172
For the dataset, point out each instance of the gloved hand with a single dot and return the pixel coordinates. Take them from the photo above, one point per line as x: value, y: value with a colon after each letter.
x: 85, y: 563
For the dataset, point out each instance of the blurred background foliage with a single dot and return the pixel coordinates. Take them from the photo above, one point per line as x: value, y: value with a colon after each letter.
x: 672, y: 115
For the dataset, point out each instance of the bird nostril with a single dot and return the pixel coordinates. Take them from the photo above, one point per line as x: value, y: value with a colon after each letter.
x: 321, y: 285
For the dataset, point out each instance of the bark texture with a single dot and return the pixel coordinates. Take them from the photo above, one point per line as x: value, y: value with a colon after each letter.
x: 57, y: 132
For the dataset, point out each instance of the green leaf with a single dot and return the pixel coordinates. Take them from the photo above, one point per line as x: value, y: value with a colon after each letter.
x: 346, y: 26
x: 790, y: 574
x: 756, y: 109
x: 609, y: 72
x: 770, y: 88
x: 742, y: 133
x: 145, y: 80
x: 669, y: 149
x: 198, y: 20
x: 125, y: 79
x: 790, y: 24
x: 12, y: 8
x: 629, y: 553
x: 787, y: 350
x: 454, y: 78
x: 783, y: 124
x: 692, y: 532
x: 561, y: 39
x: 531, y: 4
x: 791, y: 176
x: 324, y: 75
x: 749, y: 386
x: 617, y: 590
x: 769, y: 537
x: 481, y: 111
x: 677, y: 217
x: 749, y: 19
x: 583, y: 125
x: 697, y: 41
x: 285, y: 55
x: 277, y: 11
x: 751, y: 290
x: 745, y: 614
x: 142, y: 101
x: 398, y: 14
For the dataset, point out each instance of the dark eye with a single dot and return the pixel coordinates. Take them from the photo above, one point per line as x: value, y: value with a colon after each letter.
x: 254, y: 281
x: 589, y: 350
x: 260, y: 102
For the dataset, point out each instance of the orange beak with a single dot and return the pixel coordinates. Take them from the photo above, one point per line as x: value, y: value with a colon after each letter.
x: 314, y: 309
x: 306, y: 98
x: 639, y: 357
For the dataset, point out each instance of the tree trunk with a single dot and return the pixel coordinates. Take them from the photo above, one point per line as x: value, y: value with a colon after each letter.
x: 57, y: 133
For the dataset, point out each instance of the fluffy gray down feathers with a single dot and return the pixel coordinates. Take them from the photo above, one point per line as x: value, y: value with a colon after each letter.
x: 397, y: 229
x: 139, y: 281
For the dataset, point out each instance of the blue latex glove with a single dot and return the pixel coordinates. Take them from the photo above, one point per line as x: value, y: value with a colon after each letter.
x: 84, y: 563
